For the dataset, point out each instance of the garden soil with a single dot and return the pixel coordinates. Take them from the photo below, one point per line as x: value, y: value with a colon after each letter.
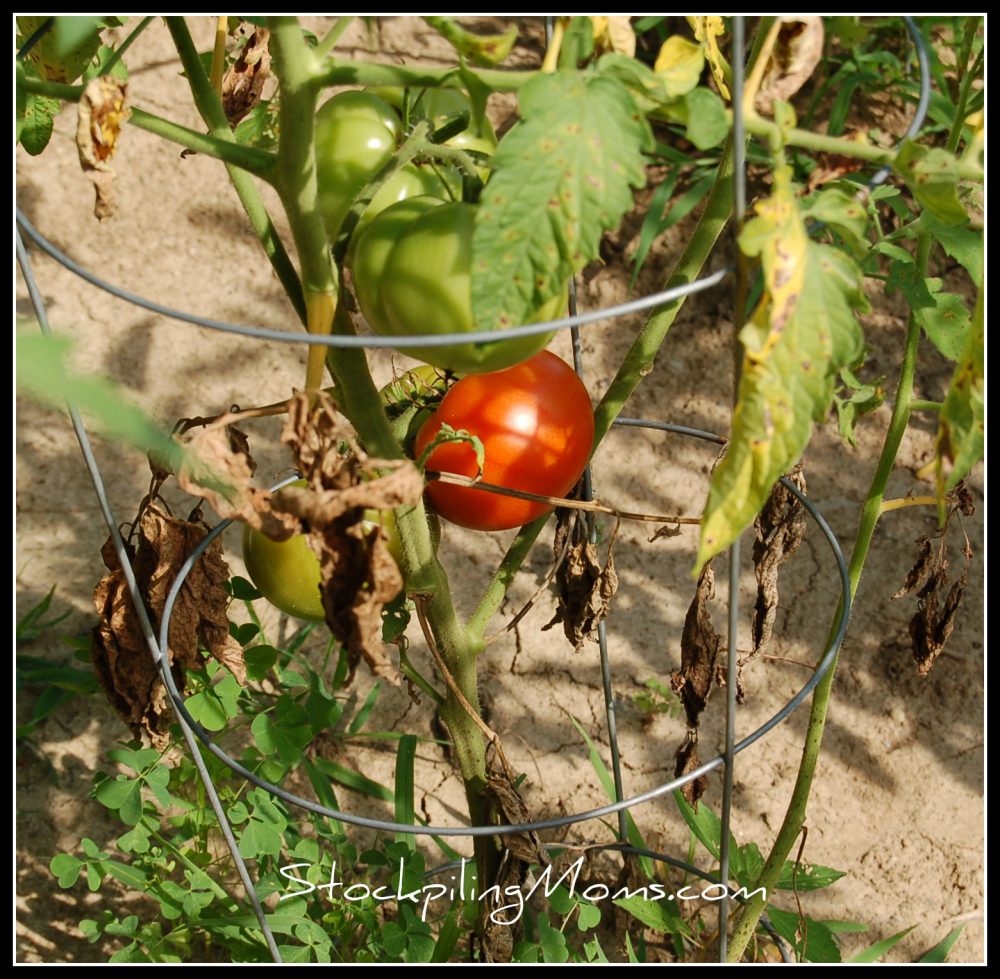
x: 898, y: 799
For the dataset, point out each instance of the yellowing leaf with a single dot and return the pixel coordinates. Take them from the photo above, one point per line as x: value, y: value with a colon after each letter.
x: 961, y: 424
x: 680, y: 64
x: 706, y: 30
x: 801, y: 334
x: 101, y: 113
x: 614, y: 34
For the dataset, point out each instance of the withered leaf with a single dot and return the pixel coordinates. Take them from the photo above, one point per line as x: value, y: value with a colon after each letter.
x: 779, y: 529
x: 243, y: 82
x: 359, y: 576
x: 687, y: 761
x: 924, y: 565
x: 100, y: 115
x: 218, y: 470
x: 122, y: 659
x: 796, y: 54
x: 699, y: 650
x: 933, y: 622
x: 585, y: 589
x: 665, y: 531
x: 509, y: 805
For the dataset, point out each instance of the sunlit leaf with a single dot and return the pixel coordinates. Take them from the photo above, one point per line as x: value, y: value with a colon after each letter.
x: 801, y: 334
x: 932, y: 176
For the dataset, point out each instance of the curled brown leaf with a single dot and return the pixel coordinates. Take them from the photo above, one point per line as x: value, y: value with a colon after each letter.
x: 243, y: 82
x: 100, y: 115
x: 123, y: 661
x: 796, y: 54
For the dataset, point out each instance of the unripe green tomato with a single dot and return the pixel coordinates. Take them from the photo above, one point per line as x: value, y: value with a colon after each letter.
x: 356, y: 134
x: 371, y: 249
x: 285, y: 572
x: 426, y: 287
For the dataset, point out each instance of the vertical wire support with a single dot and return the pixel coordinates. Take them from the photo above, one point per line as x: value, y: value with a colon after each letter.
x: 732, y: 667
x: 38, y: 304
x: 587, y: 493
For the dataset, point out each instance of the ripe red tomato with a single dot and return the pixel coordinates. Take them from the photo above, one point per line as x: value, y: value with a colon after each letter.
x: 536, y: 424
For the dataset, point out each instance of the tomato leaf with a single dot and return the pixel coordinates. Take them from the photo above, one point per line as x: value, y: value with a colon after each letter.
x: 482, y: 49
x: 961, y: 423
x: 35, y: 127
x: 560, y: 179
x: 63, y: 51
x: 802, y: 333
x: 946, y: 323
x: 932, y: 176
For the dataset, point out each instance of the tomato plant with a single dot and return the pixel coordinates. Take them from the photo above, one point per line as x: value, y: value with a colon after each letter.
x: 537, y: 429
x: 416, y: 278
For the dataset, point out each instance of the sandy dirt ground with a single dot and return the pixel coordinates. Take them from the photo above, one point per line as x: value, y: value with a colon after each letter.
x: 898, y: 801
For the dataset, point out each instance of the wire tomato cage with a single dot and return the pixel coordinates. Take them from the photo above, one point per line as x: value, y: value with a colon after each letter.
x: 198, y: 738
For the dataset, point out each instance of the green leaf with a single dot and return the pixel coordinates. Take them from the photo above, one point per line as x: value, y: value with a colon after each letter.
x: 66, y: 868
x: 99, y: 66
x: 808, y: 877
x: 947, y: 322
x: 658, y: 915
x: 41, y: 372
x: 818, y: 943
x: 940, y: 951
x: 258, y: 839
x: 482, y: 49
x: 801, y: 334
x: 560, y: 178
x: 932, y: 176
x: 259, y: 659
x: 876, y: 950
x: 842, y: 211
x: 136, y: 840
x: 129, y: 875
x: 704, y: 118
x: 20, y: 100
x: 206, y: 708
x: 366, y: 708
x: 243, y: 590
x: 962, y: 419
x: 551, y: 941
x: 256, y: 128
x: 35, y: 128
x: 703, y: 823
x: 285, y: 733
x: 405, y: 754
x: 124, y: 796
x: 962, y: 244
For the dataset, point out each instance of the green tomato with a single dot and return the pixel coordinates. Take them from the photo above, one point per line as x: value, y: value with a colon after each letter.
x: 424, y: 285
x: 285, y: 572
x: 356, y: 134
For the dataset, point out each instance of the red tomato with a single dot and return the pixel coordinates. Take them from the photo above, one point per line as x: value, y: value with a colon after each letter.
x: 537, y: 427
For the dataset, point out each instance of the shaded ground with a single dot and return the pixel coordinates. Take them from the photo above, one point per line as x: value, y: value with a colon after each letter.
x: 898, y: 798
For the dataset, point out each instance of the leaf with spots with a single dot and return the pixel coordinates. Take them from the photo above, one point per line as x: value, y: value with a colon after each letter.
x: 962, y: 421
x: 560, y: 178
x: 802, y: 333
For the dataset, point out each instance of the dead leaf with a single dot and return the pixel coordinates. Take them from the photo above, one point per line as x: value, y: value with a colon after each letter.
x: 100, y: 115
x: 585, y: 588
x: 243, y: 82
x: 687, y: 761
x: 693, y: 681
x: 779, y: 529
x: 665, y: 531
x: 933, y: 622
x: 359, y: 576
x: 507, y: 802
x: 795, y: 56
x: 122, y: 658
x: 699, y: 651
x: 219, y: 470
x: 614, y: 34
x: 707, y: 30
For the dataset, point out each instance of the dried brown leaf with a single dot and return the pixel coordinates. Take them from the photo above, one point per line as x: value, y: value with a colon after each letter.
x: 687, y: 761
x: 796, y: 54
x: 122, y: 659
x: 665, y: 531
x: 699, y: 651
x: 779, y: 529
x: 219, y: 471
x: 100, y: 115
x: 933, y: 622
x: 243, y: 82
x: 925, y: 564
x: 585, y: 588
x: 359, y: 575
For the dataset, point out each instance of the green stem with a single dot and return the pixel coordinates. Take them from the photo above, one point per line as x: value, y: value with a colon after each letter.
x: 968, y: 76
x: 51, y: 90
x: 821, y: 143
x: 795, y: 815
x: 216, y: 888
x: 249, y: 158
x: 328, y: 43
x: 210, y: 107
x: 371, y: 74
x: 918, y: 404
x: 125, y: 45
